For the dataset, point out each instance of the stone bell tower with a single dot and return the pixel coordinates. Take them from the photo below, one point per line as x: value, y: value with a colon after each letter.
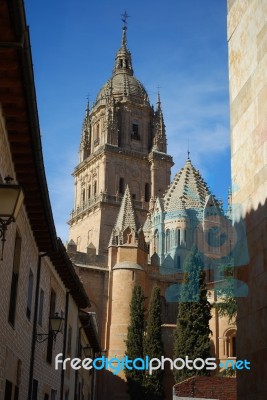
x: 123, y: 142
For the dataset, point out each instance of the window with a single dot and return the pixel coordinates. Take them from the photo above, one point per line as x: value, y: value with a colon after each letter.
x: 35, y: 389
x: 178, y: 262
x: 53, y: 394
x: 50, y: 340
x: 41, y: 308
x: 29, y: 297
x: 83, y: 196
x: 78, y: 243
x: 167, y: 240
x: 95, y: 187
x: 135, y: 131
x: 121, y: 186
x: 46, y: 396
x: 8, y: 390
x: 96, y: 141
x: 14, y: 281
x: 230, y: 342
x: 147, y: 192
x: 156, y: 241
x: 178, y: 239
x: 89, y: 192
x: 185, y: 236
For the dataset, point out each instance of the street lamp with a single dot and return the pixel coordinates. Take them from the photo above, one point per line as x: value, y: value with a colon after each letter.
x: 55, y: 324
x: 11, y: 199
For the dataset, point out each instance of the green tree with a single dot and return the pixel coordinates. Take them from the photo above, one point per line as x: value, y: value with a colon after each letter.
x: 226, y: 302
x: 134, y: 344
x: 153, y: 347
x: 194, y: 313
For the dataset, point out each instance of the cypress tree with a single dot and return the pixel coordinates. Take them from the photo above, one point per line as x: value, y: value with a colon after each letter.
x: 194, y: 312
x: 134, y: 344
x: 153, y: 347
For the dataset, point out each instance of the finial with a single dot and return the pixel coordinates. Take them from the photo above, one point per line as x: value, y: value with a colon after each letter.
x: 158, y: 95
x: 87, y: 103
x: 125, y: 16
x: 188, y: 151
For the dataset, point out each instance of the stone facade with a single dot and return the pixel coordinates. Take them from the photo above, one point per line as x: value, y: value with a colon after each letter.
x: 129, y: 226
x: 123, y: 142
x: 247, y: 38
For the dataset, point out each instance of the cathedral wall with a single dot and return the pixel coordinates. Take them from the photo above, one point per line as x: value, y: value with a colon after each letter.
x: 95, y: 281
x: 123, y: 283
x: 137, y: 139
x: 86, y: 230
x: 247, y: 36
x: 134, y: 171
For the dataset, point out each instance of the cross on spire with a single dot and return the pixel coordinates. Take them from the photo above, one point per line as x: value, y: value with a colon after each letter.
x: 125, y: 16
x: 188, y: 151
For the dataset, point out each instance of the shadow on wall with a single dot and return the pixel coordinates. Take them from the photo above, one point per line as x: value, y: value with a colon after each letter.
x: 252, y: 310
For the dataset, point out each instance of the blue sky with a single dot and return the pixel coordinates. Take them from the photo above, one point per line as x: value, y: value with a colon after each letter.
x: 178, y: 45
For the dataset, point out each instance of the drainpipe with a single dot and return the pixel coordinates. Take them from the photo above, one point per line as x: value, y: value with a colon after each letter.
x: 35, y: 324
x: 64, y: 345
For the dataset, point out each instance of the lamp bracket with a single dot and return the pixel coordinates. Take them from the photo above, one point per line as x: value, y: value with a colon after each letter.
x: 3, y: 228
x: 42, y: 337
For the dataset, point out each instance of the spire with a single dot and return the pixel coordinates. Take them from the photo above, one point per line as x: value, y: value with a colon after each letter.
x: 188, y: 151
x: 125, y: 16
x: 123, y: 60
x: 126, y: 220
x: 159, y: 140
x: 85, y: 145
x: 126, y: 217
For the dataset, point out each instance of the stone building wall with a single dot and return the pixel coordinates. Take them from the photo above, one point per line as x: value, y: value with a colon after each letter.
x: 247, y: 38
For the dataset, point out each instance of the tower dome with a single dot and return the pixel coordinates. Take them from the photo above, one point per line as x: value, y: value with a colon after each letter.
x: 123, y: 83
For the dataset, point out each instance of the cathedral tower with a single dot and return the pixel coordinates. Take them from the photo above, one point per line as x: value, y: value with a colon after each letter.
x: 123, y: 142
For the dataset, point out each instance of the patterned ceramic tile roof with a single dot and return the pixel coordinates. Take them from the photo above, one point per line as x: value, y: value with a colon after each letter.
x: 187, y: 191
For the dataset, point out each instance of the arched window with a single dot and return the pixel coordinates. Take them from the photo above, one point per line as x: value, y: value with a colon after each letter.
x: 156, y: 241
x: 167, y: 240
x: 121, y: 186
x: 178, y: 262
x: 96, y: 139
x: 230, y: 343
x: 147, y: 192
x: 178, y: 237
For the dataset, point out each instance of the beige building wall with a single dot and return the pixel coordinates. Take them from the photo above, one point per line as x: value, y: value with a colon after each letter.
x: 247, y: 38
x: 15, y: 340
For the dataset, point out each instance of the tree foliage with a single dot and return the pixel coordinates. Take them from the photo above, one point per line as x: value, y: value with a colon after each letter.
x: 135, y: 342
x: 192, y: 335
x: 153, y: 347
x: 226, y: 302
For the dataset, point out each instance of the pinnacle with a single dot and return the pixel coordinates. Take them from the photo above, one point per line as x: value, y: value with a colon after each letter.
x: 126, y: 217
